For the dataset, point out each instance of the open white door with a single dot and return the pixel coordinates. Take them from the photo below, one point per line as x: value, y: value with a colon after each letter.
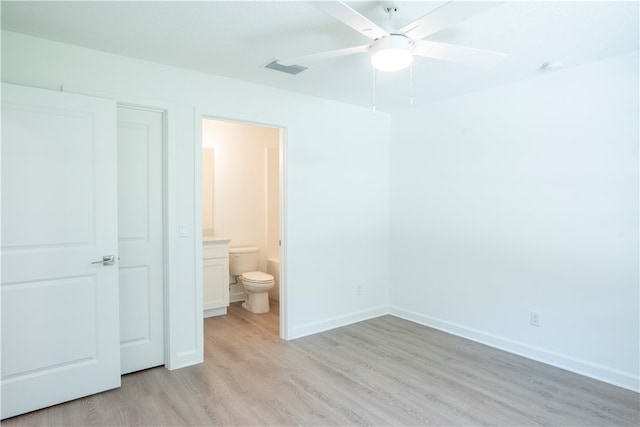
x: 60, y: 319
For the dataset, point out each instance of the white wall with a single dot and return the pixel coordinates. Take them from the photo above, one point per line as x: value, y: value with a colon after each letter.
x: 240, y: 190
x: 337, y: 179
x: 208, y: 159
x: 273, y: 201
x: 525, y: 198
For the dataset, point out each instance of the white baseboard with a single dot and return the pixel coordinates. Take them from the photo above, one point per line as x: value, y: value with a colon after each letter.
x: 184, y: 359
x: 336, y: 322
x: 582, y: 367
x: 220, y: 311
x: 236, y: 296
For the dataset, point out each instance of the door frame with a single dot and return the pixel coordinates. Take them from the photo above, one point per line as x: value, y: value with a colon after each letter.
x: 202, y: 113
x: 173, y: 358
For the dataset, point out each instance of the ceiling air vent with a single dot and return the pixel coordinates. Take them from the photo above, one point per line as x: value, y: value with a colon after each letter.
x: 289, y: 69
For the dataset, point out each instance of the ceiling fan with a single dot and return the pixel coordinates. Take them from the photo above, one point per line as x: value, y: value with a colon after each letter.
x: 394, y: 50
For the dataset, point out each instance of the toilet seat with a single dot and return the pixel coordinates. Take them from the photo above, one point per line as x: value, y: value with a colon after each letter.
x: 257, y: 277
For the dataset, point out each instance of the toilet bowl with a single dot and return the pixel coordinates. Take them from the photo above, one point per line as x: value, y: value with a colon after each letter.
x: 243, y: 264
x: 257, y: 286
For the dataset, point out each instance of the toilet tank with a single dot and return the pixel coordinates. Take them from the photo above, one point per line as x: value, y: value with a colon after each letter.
x: 243, y: 260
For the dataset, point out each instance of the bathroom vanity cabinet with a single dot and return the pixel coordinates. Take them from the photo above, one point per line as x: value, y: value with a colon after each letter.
x: 215, y: 276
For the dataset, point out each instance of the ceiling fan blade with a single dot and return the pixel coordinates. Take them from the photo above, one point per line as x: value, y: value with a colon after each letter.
x: 352, y: 18
x: 455, y: 53
x: 444, y: 16
x: 298, y: 60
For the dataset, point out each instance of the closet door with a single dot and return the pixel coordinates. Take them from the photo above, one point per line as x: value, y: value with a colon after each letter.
x: 141, y: 248
x: 60, y: 319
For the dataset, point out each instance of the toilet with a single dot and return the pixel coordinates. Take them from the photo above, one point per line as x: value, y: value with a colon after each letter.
x: 243, y: 264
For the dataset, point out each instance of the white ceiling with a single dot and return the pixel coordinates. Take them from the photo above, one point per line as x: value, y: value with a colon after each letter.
x: 237, y: 38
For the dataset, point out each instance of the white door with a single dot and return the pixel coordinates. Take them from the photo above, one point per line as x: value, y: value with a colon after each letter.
x: 140, y: 223
x: 60, y: 322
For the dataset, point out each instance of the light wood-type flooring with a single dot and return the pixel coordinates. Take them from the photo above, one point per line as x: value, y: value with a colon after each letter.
x: 382, y: 372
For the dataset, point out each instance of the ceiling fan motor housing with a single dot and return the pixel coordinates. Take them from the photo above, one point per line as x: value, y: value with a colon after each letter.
x: 392, y: 53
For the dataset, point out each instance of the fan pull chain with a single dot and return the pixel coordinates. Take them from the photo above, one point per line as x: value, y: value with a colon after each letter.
x: 375, y: 77
x: 411, y: 85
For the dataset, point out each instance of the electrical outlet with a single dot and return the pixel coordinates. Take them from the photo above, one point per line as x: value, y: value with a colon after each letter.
x: 359, y: 290
x: 535, y: 318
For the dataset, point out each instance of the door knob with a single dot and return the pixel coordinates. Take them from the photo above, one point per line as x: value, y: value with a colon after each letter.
x: 106, y: 260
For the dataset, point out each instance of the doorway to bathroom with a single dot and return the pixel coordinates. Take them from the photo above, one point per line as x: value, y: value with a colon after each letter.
x: 242, y: 166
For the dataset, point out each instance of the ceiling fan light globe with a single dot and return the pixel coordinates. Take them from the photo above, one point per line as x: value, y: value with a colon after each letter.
x: 392, y: 53
x: 391, y: 59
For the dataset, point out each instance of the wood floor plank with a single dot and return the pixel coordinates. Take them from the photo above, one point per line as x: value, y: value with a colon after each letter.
x: 384, y: 371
